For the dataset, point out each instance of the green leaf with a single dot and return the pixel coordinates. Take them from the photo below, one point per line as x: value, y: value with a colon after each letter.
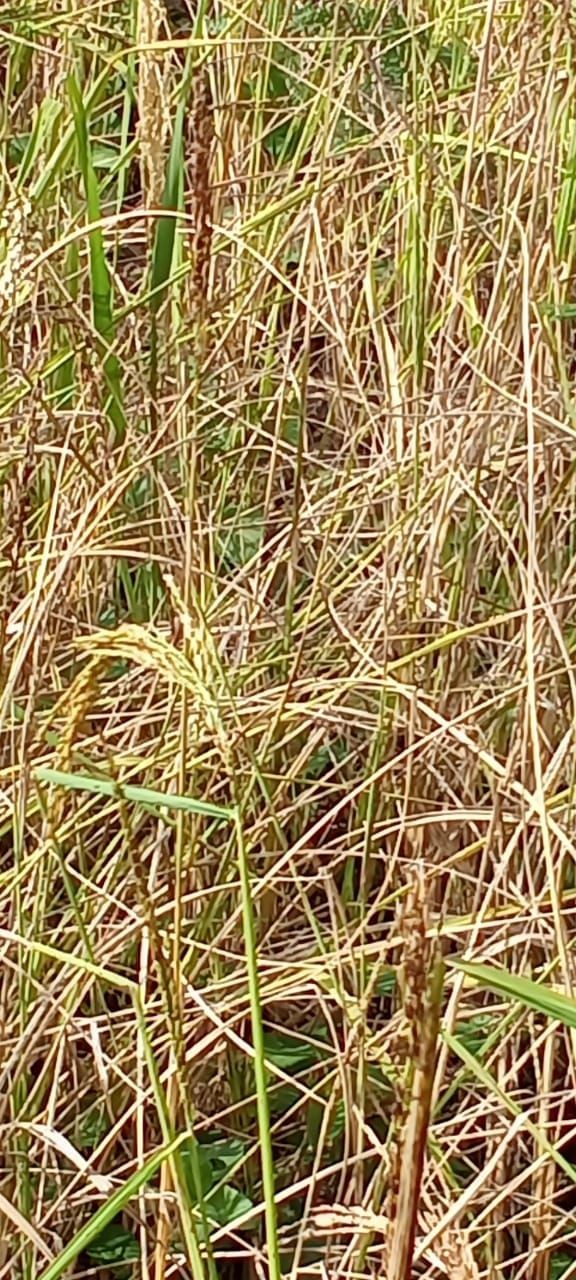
x: 224, y: 1153
x: 563, y: 311
x: 194, y: 1153
x: 227, y: 1204
x: 107, y: 1212
x: 319, y: 763
x: 100, y: 275
x: 292, y: 430
x: 63, y: 380
x: 108, y: 616
x: 212, y: 1161
x: 114, y: 1244
x: 328, y: 755
x: 166, y: 228
x: 283, y: 141
x: 139, y: 795
x: 387, y: 983
x: 104, y: 156
x: 100, y: 281
x: 48, y: 113
x: 289, y: 1054
x: 282, y: 1098
x: 560, y: 1263
x: 17, y: 148
x: 140, y: 493
x: 532, y: 994
x: 92, y: 1127
x: 475, y: 1033
x: 246, y: 540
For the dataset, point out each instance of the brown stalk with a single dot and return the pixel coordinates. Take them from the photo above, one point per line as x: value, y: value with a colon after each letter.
x: 153, y: 113
x: 423, y: 984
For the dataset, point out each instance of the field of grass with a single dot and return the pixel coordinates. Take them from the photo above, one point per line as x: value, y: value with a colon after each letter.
x: 287, y: 638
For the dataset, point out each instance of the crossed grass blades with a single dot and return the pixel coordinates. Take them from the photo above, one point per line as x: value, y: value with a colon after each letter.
x: 287, y: 640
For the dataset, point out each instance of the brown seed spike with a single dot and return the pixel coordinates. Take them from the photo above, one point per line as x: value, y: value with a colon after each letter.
x: 421, y: 981
x: 200, y: 139
x: 153, y: 112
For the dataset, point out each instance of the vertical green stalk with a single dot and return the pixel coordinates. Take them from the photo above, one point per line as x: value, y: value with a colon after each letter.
x: 100, y: 281
x: 20, y: 1096
x: 177, y: 1167
x: 266, y: 1157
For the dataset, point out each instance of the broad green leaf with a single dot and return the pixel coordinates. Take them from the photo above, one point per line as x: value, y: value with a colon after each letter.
x: 282, y: 1098
x: 226, y: 1204
x: 290, y: 1054
x: 193, y: 1152
x: 103, y: 156
x: 114, y: 1244
x: 560, y: 1263
x: 214, y: 1159
x: 245, y: 539
x: 224, y: 1153
x: 91, y: 1128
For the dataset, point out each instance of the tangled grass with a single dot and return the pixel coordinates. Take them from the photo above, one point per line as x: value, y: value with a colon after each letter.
x: 286, y: 639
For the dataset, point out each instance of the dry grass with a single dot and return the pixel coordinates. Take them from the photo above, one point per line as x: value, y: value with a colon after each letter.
x: 292, y: 536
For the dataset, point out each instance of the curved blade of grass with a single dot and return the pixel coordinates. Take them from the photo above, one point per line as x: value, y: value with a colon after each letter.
x: 139, y: 795
x: 48, y: 113
x: 100, y: 282
x: 492, y: 1087
x: 108, y: 1211
x: 532, y: 994
x: 56, y: 162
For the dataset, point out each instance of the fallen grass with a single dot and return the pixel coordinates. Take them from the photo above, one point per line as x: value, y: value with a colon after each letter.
x: 287, y: 559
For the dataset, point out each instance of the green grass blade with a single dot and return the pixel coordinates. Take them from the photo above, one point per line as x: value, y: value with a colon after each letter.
x: 108, y: 1211
x: 138, y: 795
x: 48, y: 113
x: 260, y: 1072
x: 488, y: 1082
x: 57, y: 161
x: 100, y: 275
x: 166, y: 229
x: 532, y: 994
x: 100, y: 281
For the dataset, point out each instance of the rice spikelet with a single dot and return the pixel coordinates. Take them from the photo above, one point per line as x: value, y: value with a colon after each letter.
x: 14, y: 226
x: 148, y: 649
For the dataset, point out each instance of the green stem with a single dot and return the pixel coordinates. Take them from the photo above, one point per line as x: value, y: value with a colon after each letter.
x: 259, y: 1058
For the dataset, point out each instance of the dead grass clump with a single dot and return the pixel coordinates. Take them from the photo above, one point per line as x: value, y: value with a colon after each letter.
x: 286, y: 599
